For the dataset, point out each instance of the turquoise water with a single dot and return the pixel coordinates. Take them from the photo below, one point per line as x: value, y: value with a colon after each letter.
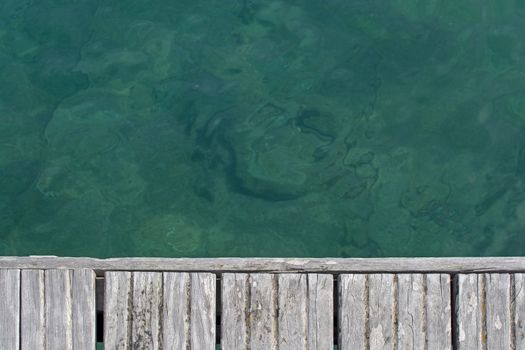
x: 262, y: 128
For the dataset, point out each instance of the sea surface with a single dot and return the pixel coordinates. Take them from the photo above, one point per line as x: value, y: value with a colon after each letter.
x: 341, y: 128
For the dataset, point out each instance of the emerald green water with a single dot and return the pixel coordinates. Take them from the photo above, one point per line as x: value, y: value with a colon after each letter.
x: 262, y: 128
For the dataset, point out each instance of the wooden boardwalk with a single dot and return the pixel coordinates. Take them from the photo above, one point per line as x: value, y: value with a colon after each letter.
x: 141, y: 303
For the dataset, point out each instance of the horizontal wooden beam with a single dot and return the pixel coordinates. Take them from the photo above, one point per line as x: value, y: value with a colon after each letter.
x: 273, y: 265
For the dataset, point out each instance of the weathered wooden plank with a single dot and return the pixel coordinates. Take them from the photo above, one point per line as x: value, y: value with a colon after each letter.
x: 234, y: 316
x: 32, y: 310
x: 498, y: 316
x: 202, y: 328
x: 411, y: 311
x: 370, y: 304
x: 353, y: 311
x: 117, y: 310
x: 519, y: 310
x: 470, y: 305
x: 59, y: 332
x: 438, y: 312
x: 293, y: 318
x: 84, y: 309
x: 320, y: 312
x: 259, y: 265
x: 305, y: 311
x: 147, y: 306
x: 381, y: 311
x: 176, y: 311
x: 262, y: 319
x: 9, y: 309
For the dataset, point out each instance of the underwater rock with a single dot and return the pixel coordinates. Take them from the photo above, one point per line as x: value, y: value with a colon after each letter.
x: 53, y: 71
x: 169, y: 235
x: 51, y: 180
x: 87, y: 124
x: 87, y: 151
x: 207, y: 84
x: 273, y: 159
x: 57, y: 180
x: 278, y: 157
x: 323, y: 125
x: 81, y: 225
x: 69, y: 24
x: 17, y: 176
x: 6, y: 215
x: 421, y: 199
x: 200, y: 85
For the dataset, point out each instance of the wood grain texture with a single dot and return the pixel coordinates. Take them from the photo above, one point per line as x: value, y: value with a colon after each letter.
x: 386, y: 311
x: 411, y: 311
x: 470, y: 305
x: 353, y: 311
x: 438, y: 312
x: 176, y: 311
x: 59, y: 325
x: 32, y: 334
x: 117, y: 313
x: 518, y: 306
x: 381, y: 311
x: 293, y: 317
x: 304, y: 304
x: 498, y: 313
x: 259, y: 265
x: 268, y: 311
x: 235, y: 299
x: 202, y: 328
x: 9, y: 309
x: 146, y: 310
x: 84, y: 309
x: 320, y: 312
x: 262, y: 319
